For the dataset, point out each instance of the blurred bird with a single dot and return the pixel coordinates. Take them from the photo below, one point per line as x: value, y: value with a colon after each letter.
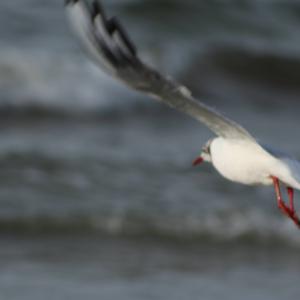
x: 234, y: 153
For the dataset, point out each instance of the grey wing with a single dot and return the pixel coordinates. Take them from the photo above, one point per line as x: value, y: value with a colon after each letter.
x: 109, y: 45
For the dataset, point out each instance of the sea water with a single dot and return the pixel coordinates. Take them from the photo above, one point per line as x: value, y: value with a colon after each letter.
x: 98, y: 199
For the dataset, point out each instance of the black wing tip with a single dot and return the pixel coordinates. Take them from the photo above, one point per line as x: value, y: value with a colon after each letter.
x: 97, y: 9
x: 68, y: 2
x: 116, y: 25
x: 112, y: 25
x: 118, y: 55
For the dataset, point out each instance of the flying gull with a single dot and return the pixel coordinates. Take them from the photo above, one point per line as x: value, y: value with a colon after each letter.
x: 234, y: 152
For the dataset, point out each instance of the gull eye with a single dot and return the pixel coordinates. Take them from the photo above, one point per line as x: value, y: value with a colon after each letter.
x: 208, y: 149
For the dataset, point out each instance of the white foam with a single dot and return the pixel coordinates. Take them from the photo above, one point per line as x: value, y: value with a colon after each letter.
x: 67, y: 82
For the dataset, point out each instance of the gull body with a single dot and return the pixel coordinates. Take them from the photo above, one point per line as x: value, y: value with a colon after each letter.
x: 249, y: 163
x: 234, y: 153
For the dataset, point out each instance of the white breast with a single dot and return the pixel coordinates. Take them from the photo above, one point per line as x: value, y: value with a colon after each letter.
x: 242, y: 161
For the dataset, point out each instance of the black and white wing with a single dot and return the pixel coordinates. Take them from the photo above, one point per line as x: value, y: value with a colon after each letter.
x: 109, y: 45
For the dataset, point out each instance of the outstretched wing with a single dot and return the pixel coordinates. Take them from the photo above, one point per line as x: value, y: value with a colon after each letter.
x: 109, y: 45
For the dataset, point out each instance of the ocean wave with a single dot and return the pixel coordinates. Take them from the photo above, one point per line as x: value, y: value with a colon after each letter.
x: 253, y: 227
x: 39, y: 84
x: 49, y: 82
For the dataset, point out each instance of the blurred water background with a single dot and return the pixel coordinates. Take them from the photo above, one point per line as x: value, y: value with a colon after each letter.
x: 98, y: 199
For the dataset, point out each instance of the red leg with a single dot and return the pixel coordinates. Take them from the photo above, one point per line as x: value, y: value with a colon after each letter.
x: 289, y: 211
x: 293, y: 215
x: 291, y: 197
x: 280, y: 202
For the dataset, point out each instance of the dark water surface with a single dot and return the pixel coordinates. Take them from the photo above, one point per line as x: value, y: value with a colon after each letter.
x: 91, y: 267
x: 98, y: 198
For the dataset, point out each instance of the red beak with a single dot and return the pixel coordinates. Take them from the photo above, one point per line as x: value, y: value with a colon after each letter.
x: 198, y: 161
